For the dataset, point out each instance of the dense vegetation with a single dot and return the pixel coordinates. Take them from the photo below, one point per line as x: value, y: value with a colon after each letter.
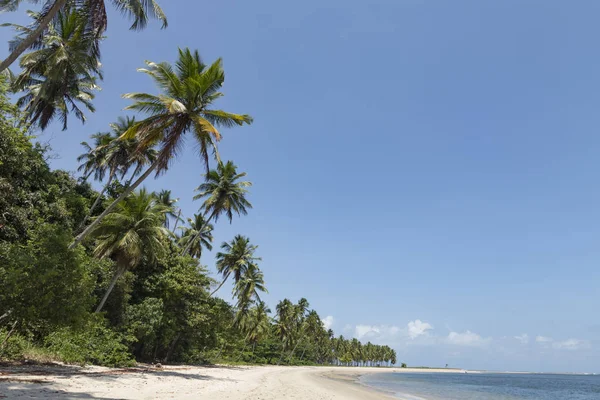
x: 114, y: 276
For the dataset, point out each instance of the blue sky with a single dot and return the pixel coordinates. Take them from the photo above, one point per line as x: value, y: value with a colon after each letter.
x: 425, y: 172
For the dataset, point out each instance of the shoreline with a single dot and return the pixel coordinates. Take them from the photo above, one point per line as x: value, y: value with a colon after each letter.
x: 190, y: 382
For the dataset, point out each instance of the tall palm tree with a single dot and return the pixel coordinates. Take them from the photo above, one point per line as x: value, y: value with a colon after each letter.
x: 93, y: 159
x: 95, y: 19
x: 257, y: 324
x: 119, y: 156
x: 133, y: 231
x: 249, y: 285
x: 223, y: 194
x: 189, y: 91
x: 164, y: 196
x: 199, y: 234
x: 59, y: 75
x: 235, y: 259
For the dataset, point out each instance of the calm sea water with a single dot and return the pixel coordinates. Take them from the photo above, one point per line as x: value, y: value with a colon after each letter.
x: 488, y: 386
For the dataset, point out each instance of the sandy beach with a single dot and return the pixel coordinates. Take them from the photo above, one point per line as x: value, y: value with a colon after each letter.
x: 217, y: 383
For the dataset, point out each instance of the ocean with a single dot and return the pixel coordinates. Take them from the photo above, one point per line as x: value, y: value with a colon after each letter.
x: 486, y: 386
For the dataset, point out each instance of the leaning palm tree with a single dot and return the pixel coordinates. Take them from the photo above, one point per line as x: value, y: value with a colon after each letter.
x: 119, y: 156
x: 93, y: 160
x: 59, y: 75
x: 95, y: 19
x: 133, y: 231
x: 249, y: 285
x: 256, y: 324
x: 197, y: 236
x: 223, y: 194
x: 164, y: 196
x: 235, y: 259
x: 185, y: 106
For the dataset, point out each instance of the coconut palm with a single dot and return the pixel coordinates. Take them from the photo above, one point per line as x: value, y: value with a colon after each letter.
x: 235, y: 259
x: 189, y: 91
x: 247, y: 288
x: 119, y: 156
x: 257, y: 325
x: 164, y: 196
x: 133, y: 231
x: 93, y: 159
x: 140, y: 11
x: 199, y: 234
x: 223, y: 194
x: 60, y: 74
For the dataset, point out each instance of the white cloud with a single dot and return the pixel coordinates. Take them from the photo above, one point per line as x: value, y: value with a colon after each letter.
x: 327, y: 322
x: 543, y: 339
x: 467, y: 338
x: 524, y: 338
x: 371, y: 332
x: 418, y: 328
x: 571, y: 344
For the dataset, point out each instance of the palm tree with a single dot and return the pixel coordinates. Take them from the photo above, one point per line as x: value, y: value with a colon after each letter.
x: 257, y: 325
x: 164, y: 196
x: 249, y: 285
x: 93, y: 160
x: 118, y: 156
x: 223, y: 194
x: 95, y: 19
x: 236, y: 258
x: 188, y: 93
x: 199, y: 234
x: 60, y: 72
x: 133, y: 231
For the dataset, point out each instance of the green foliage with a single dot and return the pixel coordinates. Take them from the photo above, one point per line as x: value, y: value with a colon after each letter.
x: 95, y: 343
x: 43, y: 283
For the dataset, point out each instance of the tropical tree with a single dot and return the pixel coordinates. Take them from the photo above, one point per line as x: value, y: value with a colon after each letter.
x: 93, y: 160
x: 223, y: 194
x: 247, y: 288
x: 134, y: 231
x: 118, y: 156
x: 60, y: 73
x: 164, y: 197
x: 257, y: 325
x: 198, y: 235
x: 189, y: 90
x: 234, y: 259
x: 95, y: 19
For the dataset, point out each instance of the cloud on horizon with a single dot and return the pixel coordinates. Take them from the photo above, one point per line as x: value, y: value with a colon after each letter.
x: 467, y: 338
x: 328, y: 321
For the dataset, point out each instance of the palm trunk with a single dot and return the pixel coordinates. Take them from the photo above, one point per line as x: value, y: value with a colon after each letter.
x: 244, y: 348
x: 108, y: 209
x: 9, y: 334
x: 115, y: 278
x: 197, y: 235
x: 97, y: 201
x: 33, y: 36
x: 177, y: 220
x: 294, y: 350
x: 221, y: 284
x: 172, y: 347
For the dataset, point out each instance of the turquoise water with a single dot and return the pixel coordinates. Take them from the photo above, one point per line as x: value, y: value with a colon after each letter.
x: 486, y: 386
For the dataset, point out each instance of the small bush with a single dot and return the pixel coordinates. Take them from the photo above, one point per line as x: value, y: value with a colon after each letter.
x: 95, y: 344
x: 14, y: 347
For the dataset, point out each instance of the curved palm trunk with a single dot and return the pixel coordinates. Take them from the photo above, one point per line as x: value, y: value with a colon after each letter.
x: 29, y: 40
x: 97, y: 201
x: 219, y: 287
x: 177, y: 220
x: 108, y: 209
x: 196, y: 236
x: 115, y: 278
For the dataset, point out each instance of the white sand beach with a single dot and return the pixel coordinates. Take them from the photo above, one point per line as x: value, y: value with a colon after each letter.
x: 216, y: 383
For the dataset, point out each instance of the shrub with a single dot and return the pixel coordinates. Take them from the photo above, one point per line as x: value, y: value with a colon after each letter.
x: 94, y: 344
